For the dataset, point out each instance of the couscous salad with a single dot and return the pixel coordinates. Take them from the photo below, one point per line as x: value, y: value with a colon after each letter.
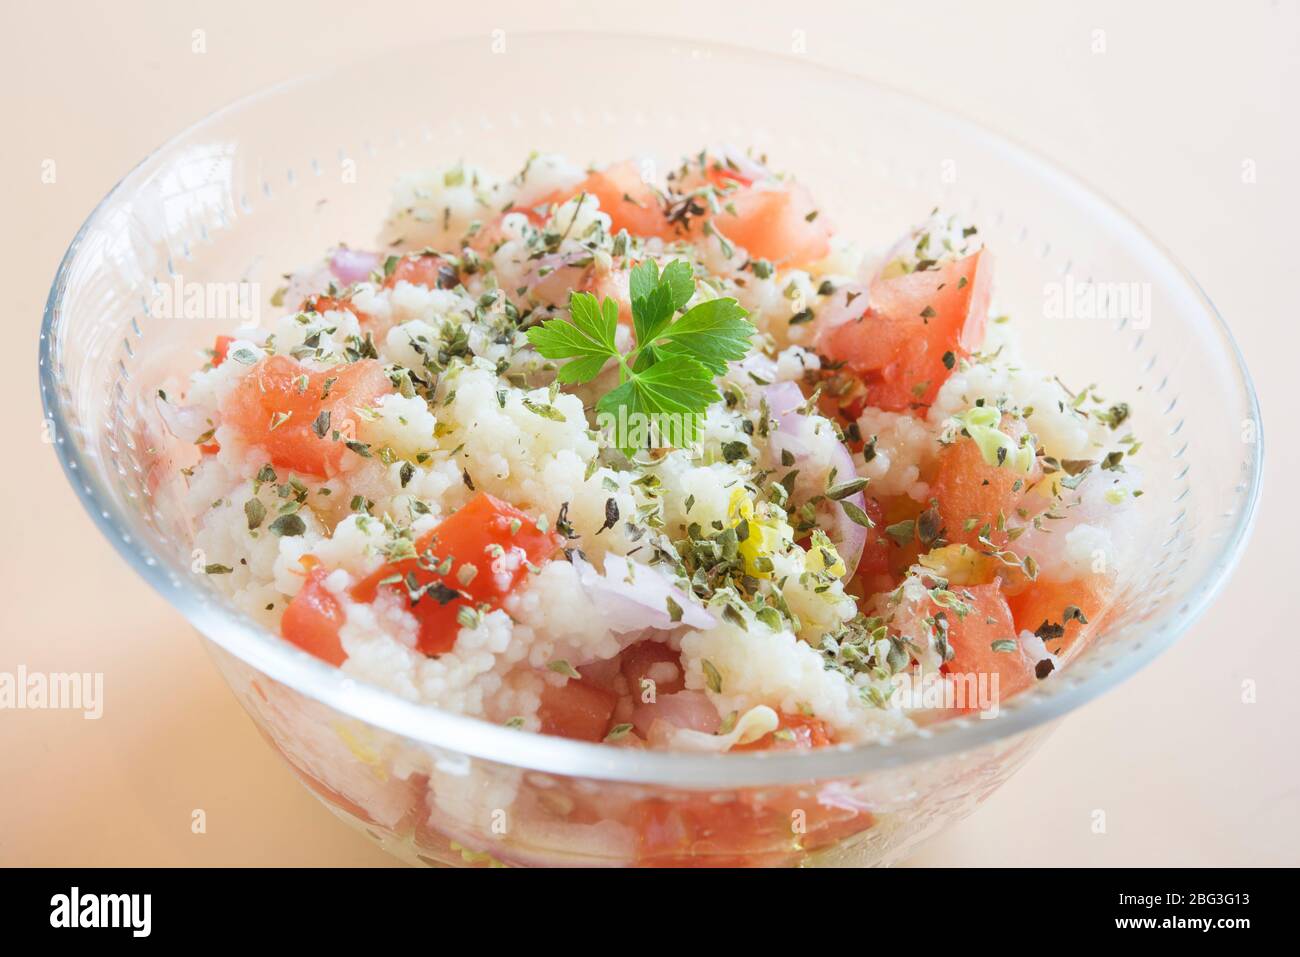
x: 663, y: 463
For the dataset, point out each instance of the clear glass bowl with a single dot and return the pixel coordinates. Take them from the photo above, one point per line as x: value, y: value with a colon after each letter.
x: 268, y: 184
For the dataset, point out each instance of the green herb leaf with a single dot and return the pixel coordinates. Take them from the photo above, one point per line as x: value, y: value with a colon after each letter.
x: 843, y: 490
x: 255, y: 511
x: 321, y: 425
x: 856, y: 514
x: 562, y: 667
x: 644, y: 279
x: 671, y: 369
x: 711, y: 676
x: 675, y: 384
x: 289, y: 525
x: 902, y: 532
x: 656, y: 296
x: 714, y: 333
x: 543, y: 410
x: 588, y: 339
x: 618, y: 731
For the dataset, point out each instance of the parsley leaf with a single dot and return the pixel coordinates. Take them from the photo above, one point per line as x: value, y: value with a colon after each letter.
x: 588, y: 339
x: 671, y: 369
x: 714, y: 333
x: 675, y: 384
x: 656, y: 298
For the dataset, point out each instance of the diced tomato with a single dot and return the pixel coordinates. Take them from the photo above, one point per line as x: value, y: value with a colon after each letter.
x: 885, y: 561
x: 616, y: 285
x: 655, y: 661
x: 628, y: 201
x: 424, y: 269
x: 668, y: 714
x: 771, y: 828
x: 816, y: 820
x: 276, y: 406
x: 220, y: 348
x: 492, y: 234
x: 700, y: 833
x: 917, y: 327
x: 874, y: 569
x: 755, y: 829
x: 313, y: 619
x: 577, y: 709
x: 780, y: 224
x: 604, y: 673
x: 972, y: 636
x: 796, y: 731
x: 665, y: 831
x: 1044, y: 602
x: 827, y: 823
x: 324, y: 304
x: 490, y: 544
x: 971, y: 492
x: 724, y: 176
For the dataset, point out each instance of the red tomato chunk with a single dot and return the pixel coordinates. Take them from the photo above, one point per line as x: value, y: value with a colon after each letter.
x: 276, y: 407
x: 476, y: 556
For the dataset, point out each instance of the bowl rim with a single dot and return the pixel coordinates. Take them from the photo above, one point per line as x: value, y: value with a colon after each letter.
x: 450, y: 735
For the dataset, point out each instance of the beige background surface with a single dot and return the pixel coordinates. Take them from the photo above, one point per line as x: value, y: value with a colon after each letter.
x: 1162, y: 121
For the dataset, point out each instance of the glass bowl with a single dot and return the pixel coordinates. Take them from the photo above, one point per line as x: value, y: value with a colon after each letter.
x: 270, y: 183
